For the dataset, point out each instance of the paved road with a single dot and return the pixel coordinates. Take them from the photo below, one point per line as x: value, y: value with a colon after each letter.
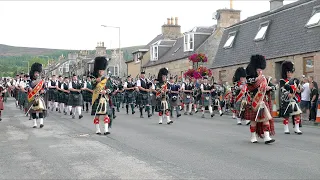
x: 190, y: 148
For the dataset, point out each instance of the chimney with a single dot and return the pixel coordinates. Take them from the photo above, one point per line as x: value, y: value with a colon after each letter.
x: 275, y: 4
x: 227, y: 17
x: 171, y: 30
x: 102, y: 44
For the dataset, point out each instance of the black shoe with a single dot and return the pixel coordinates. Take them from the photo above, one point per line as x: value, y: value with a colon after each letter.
x: 212, y: 115
x: 81, y: 116
x: 178, y: 115
x: 0, y: 119
x: 57, y: 109
x: 141, y: 116
x: 70, y: 113
x: 106, y: 133
x: 65, y: 113
x: 99, y: 133
x: 271, y: 141
x: 34, y: 126
x: 73, y: 116
x: 149, y: 115
x: 41, y: 125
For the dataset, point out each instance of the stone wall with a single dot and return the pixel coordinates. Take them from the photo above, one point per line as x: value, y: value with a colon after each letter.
x: 175, y: 67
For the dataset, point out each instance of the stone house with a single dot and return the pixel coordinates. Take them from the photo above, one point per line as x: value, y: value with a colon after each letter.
x: 285, y: 32
x: 171, y: 49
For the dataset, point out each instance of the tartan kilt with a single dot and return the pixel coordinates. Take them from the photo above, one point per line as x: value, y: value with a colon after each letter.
x: 16, y: 93
x: 206, y: 99
x: 159, y: 106
x: 32, y: 102
x: 58, y: 96
x: 174, y: 103
x: 113, y: 100
x: 64, y: 97
x: 75, y: 100
x: 19, y: 96
x: 23, y: 99
x: 119, y: 97
x: 1, y: 103
x: 143, y: 99
x: 129, y: 97
x: 153, y: 99
x: 187, y: 99
x: 95, y: 107
x: 87, y: 96
x: 52, y: 94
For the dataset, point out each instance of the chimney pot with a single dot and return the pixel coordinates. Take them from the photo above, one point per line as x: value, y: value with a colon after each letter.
x: 168, y: 21
x: 172, y: 21
x: 176, y: 21
x: 275, y: 4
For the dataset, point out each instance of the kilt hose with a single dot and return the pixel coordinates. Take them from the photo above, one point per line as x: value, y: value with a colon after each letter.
x: 75, y: 99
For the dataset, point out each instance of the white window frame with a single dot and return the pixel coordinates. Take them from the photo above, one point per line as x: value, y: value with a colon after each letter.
x: 154, y: 53
x: 262, y: 29
x: 314, y: 16
x: 230, y: 40
x: 188, y: 40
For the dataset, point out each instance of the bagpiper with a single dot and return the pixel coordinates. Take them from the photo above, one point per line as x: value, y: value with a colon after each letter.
x: 188, y: 90
x: 143, y: 99
x: 239, y: 94
x: 174, y: 99
x: 289, y: 100
x: 35, y: 95
x: 58, y: 98
x: 162, y: 96
x: 119, y: 95
x: 2, y: 95
x: 52, y: 85
x: 64, y: 88
x: 87, y: 91
x: 258, y: 107
x: 102, y: 88
x: 75, y: 97
x: 129, y: 88
x: 206, y: 97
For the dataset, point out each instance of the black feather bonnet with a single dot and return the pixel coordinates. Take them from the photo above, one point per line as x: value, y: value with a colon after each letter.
x: 240, y: 72
x: 285, y: 67
x: 162, y: 72
x: 100, y: 63
x: 35, y: 67
x: 256, y: 62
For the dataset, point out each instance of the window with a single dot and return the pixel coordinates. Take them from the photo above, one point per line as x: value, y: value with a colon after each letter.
x: 230, y: 40
x: 315, y: 18
x: 188, y: 42
x: 223, y: 75
x: 116, y: 72
x: 308, y: 66
x: 154, y: 52
x: 113, y: 70
x: 262, y: 32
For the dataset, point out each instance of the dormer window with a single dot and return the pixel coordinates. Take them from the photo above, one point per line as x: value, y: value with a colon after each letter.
x: 230, y: 40
x: 188, y: 42
x: 262, y: 31
x: 154, y: 52
x: 314, y: 19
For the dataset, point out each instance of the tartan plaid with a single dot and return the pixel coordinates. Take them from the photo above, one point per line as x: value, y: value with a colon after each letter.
x: 187, y: 100
x: 119, y: 97
x: 131, y: 99
x: 204, y: 101
x: 87, y: 96
x: 52, y: 94
x: 141, y: 101
x: 73, y: 101
x: 23, y: 101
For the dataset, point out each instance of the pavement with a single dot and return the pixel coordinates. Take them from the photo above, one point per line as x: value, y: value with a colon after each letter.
x: 190, y: 148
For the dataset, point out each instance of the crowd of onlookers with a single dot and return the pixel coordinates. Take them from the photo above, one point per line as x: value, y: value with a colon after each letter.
x: 309, y: 98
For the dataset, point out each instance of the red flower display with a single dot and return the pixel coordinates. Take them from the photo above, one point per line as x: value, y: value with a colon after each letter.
x: 198, y: 73
x: 204, y: 71
x: 198, y: 58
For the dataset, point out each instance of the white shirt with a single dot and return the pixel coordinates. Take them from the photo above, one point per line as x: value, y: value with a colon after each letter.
x: 153, y: 86
x: 70, y: 85
x: 49, y: 83
x: 305, y: 95
x: 85, y: 85
x: 125, y: 85
x: 22, y: 84
x: 183, y: 86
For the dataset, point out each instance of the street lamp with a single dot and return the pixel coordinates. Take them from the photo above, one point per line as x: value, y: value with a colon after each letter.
x: 119, y: 67
x: 28, y: 65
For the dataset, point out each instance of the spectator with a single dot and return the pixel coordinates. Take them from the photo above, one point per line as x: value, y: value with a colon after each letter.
x: 305, y: 98
x: 314, y: 99
x: 311, y: 81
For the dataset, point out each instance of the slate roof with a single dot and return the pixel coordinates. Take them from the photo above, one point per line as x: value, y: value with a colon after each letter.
x: 286, y: 35
x: 176, y: 52
x: 202, y: 29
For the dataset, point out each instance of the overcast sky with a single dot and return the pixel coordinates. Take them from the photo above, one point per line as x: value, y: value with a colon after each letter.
x: 77, y: 24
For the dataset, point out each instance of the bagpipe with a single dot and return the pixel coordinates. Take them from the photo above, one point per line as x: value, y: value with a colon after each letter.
x: 34, y: 95
x: 104, y: 99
